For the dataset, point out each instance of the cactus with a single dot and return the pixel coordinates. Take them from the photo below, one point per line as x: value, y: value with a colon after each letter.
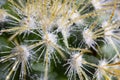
x: 60, y: 40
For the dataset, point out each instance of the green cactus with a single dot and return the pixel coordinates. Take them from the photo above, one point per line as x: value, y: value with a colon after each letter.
x: 59, y: 40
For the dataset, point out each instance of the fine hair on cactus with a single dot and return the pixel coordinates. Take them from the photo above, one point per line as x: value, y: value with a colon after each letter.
x: 60, y: 40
